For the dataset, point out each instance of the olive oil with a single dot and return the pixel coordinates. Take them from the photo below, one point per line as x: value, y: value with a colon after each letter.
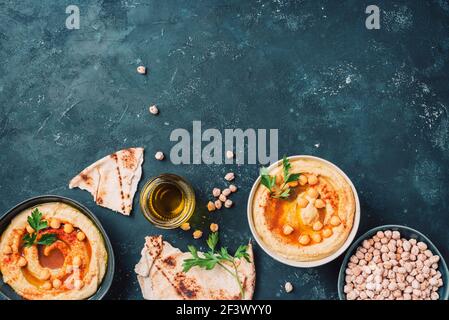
x: 167, y: 201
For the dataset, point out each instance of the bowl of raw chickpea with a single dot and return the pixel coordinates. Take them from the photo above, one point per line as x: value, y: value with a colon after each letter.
x: 393, y: 262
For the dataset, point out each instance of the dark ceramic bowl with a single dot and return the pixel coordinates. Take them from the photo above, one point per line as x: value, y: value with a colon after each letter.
x: 407, y: 233
x: 6, y: 292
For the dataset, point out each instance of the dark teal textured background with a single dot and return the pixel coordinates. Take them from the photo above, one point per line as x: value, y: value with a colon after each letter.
x: 374, y: 102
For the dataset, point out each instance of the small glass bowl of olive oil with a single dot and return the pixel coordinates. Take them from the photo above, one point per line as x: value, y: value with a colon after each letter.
x: 167, y: 201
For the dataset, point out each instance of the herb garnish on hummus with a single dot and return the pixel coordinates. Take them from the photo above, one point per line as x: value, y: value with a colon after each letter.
x: 37, y: 224
x: 268, y: 181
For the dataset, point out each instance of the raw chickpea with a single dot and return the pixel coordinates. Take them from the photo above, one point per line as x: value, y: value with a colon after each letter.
x: 77, y: 261
x: 185, y: 226
x: 46, y: 285
x: 312, y: 180
x: 57, y: 283
x: 68, y: 228
x: 197, y: 234
x: 317, y: 226
x: 211, y: 206
x: 55, y: 223
x: 316, y: 237
x: 7, y: 250
x: 46, y: 274
x: 319, y: 204
x: 302, y: 180
x: 81, y: 236
x: 287, y: 229
x: 335, y: 221
x: 22, y: 262
x: 303, y: 202
x: 313, y: 193
x: 293, y: 184
x: 213, y: 227
x: 327, y: 232
x: 78, y: 284
x: 304, y: 239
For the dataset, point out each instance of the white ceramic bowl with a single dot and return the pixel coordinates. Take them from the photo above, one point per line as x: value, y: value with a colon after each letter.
x: 314, y: 263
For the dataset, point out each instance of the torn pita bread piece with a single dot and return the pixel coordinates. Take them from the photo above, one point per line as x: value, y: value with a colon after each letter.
x: 160, y: 275
x: 113, y: 180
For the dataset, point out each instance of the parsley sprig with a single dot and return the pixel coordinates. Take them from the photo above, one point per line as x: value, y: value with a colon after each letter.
x: 282, y: 192
x: 208, y: 260
x: 35, y: 221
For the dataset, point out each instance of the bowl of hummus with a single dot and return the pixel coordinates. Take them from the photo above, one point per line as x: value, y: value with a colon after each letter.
x: 307, y: 220
x: 53, y: 248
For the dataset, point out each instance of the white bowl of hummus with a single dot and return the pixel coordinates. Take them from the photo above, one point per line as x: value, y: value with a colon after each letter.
x: 315, y: 223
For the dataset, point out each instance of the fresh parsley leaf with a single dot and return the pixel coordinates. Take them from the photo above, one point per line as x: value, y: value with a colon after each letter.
x: 269, y: 182
x: 212, y: 240
x: 212, y: 258
x: 28, y: 240
x: 37, y: 224
x: 47, y: 239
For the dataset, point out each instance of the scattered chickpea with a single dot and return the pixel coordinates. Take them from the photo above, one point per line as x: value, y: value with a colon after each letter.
x: 68, y: 228
x: 287, y: 229
x: 303, y: 202
x: 317, y: 226
x: 335, y: 221
x: 233, y: 188
x: 313, y: 193
x: 7, y: 250
x: 228, y: 203
x: 55, y: 223
x: 316, y: 237
x: 312, y: 180
x: 159, y: 155
x: 81, y: 236
x: 141, y: 70
x: 222, y: 198
x: 303, y: 180
x: 319, y: 204
x: 46, y: 285
x: 327, y: 232
x: 22, y: 262
x: 229, y: 154
x: 213, y: 227
x: 29, y: 229
x: 293, y: 184
x: 218, y: 204
x: 304, y: 239
x: 57, y: 283
x: 78, y: 284
x: 210, y: 206
x: 77, y: 261
x: 229, y: 176
x: 226, y: 192
x: 216, y: 192
x: 185, y: 226
x: 288, y: 287
x: 153, y: 109
x: 197, y: 234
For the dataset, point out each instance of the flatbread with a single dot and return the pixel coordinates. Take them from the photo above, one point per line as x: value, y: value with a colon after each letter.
x: 160, y: 276
x: 113, y: 180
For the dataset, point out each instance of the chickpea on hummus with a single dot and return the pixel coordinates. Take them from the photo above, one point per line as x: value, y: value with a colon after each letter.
x: 64, y: 257
x: 313, y: 219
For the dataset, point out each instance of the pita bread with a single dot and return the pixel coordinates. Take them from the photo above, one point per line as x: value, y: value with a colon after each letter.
x: 159, y: 273
x: 113, y: 180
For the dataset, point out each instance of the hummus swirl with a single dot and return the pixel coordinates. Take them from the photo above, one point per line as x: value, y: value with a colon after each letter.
x: 314, y: 221
x: 71, y: 268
